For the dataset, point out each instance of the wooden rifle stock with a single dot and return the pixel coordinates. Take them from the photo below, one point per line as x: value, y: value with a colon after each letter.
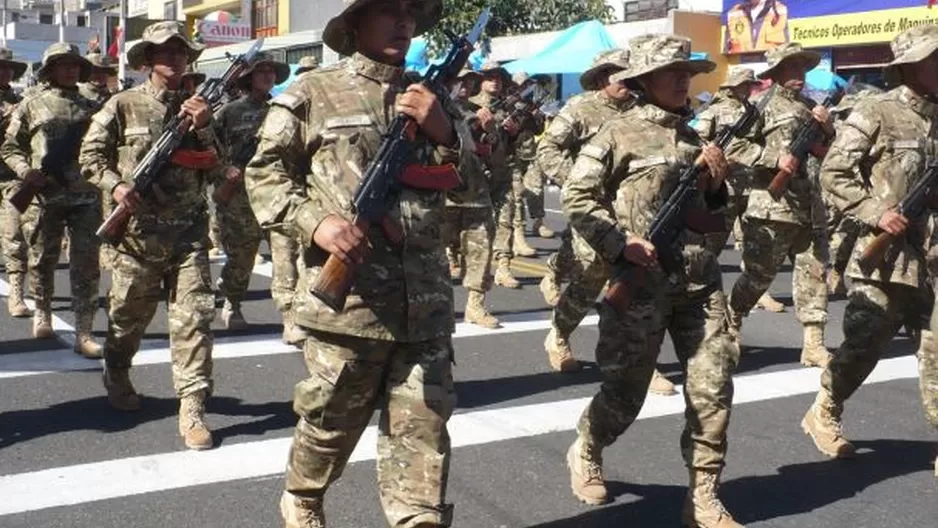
x: 619, y: 293
x: 875, y: 252
x: 24, y: 196
x: 114, y: 227
x: 779, y: 184
x: 334, y: 281
x: 225, y: 191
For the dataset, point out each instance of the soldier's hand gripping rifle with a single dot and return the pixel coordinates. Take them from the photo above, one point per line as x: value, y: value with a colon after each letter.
x: 150, y: 167
x: 390, y: 170
x: 226, y: 189
x: 677, y: 213
x: 806, y: 137
x: 61, y: 152
x: 912, y: 206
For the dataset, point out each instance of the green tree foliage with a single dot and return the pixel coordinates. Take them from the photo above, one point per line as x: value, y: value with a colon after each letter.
x: 514, y: 17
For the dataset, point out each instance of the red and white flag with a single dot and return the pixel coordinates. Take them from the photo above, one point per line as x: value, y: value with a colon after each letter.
x: 114, y: 49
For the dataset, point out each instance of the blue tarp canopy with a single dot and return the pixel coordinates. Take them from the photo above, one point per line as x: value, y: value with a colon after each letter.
x: 417, y: 59
x: 571, y: 52
x: 283, y: 86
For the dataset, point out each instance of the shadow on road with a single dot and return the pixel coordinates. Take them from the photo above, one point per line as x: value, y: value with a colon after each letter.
x: 795, y: 489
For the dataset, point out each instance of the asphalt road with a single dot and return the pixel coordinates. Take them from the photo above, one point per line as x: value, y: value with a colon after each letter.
x: 68, y: 460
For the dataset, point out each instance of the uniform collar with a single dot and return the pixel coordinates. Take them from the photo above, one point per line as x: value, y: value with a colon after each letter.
x: 374, y: 70
x: 161, y: 95
x: 916, y: 102
x: 604, y: 98
x: 660, y: 116
x: 788, y: 93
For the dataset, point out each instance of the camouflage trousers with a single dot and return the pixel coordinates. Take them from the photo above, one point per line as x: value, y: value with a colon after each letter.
x: 735, y: 208
x: 412, y: 385
x: 13, y: 227
x: 468, y: 232
x: 627, y: 353
x: 875, y: 313
x: 286, y: 264
x: 503, y: 204
x: 579, y: 296
x: 136, y: 290
x: 563, y: 263
x: 45, y: 248
x: 843, y: 232
x: 107, y: 253
x: 214, y: 231
x: 528, y: 186
x: 766, y: 245
x: 241, y: 237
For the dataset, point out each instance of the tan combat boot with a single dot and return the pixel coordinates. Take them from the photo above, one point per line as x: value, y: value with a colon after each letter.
x: 477, y: 314
x: 814, y: 353
x: 192, y: 426
x: 84, y: 343
x: 769, y: 304
x: 822, y: 423
x: 232, y: 317
x: 835, y: 283
x: 702, y: 507
x: 559, y: 354
x: 661, y: 385
x: 542, y: 230
x: 120, y: 392
x: 16, y: 305
x: 585, y: 462
x: 42, y: 324
x: 550, y: 289
x: 301, y: 512
x: 503, y: 276
x: 520, y: 244
x: 293, y: 334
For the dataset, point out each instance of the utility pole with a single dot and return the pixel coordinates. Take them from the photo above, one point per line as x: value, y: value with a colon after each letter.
x: 121, y: 67
x: 61, y: 20
x: 3, y: 38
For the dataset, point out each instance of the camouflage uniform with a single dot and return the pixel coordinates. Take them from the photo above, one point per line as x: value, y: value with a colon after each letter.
x: 774, y: 230
x: 67, y: 201
x: 523, y: 149
x: 742, y: 153
x: 390, y: 348
x: 100, y: 95
x: 12, y: 237
x: 576, y: 124
x: 164, y: 243
x: 639, y: 157
x: 888, y: 141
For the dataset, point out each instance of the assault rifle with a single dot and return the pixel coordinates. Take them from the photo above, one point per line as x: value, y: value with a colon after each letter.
x: 389, y: 171
x: 148, y: 170
x: 676, y: 214
x: 807, y: 135
x: 225, y: 190
x: 912, y: 206
x: 60, y: 153
x: 509, y: 104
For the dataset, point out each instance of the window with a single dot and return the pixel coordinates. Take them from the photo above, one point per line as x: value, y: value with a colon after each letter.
x: 46, y: 18
x: 295, y: 54
x: 169, y: 10
x: 636, y: 10
x: 265, y: 18
x: 81, y: 21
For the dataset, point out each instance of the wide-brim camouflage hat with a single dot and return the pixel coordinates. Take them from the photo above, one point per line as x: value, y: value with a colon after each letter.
x: 6, y: 59
x: 738, y: 76
x: 59, y: 52
x: 790, y: 51
x: 101, y: 62
x: 281, y: 69
x: 491, y: 68
x: 307, y: 63
x: 909, y: 47
x: 651, y: 53
x: 604, y: 64
x: 158, y: 34
x: 474, y: 79
x: 339, y: 36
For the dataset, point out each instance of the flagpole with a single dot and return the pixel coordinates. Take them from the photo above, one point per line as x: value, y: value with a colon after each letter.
x: 4, y: 36
x: 61, y: 20
x: 121, y: 67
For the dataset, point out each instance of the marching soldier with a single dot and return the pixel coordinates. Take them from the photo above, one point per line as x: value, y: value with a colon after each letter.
x: 12, y: 223
x: 165, y: 239
x: 236, y: 124
x: 776, y: 230
x: 495, y: 82
x: 36, y: 136
x: 640, y: 156
x: 524, y: 148
x: 880, y: 152
x: 469, y: 227
x: 391, y: 347
x: 96, y: 89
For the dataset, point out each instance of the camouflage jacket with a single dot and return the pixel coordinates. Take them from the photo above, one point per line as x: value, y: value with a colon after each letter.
x: 236, y: 124
x: 475, y: 192
x: 120, y: 135
x: 92, y: 92
x: 880, y: 152
x: 620, y: 180
x: 742, y: 153
x: 496, y: 162
x: 318, y: 139
x: 8, y: 102
x: 577, y: 123
x: 783, y: 115
x: 36, y: 126
x: 525, y: 143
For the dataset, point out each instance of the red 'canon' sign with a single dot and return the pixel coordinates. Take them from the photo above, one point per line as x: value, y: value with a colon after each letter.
x: 219, y: 34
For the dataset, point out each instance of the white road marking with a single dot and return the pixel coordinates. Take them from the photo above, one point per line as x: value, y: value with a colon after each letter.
x: 110, y: 479
x: 64, y: 332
